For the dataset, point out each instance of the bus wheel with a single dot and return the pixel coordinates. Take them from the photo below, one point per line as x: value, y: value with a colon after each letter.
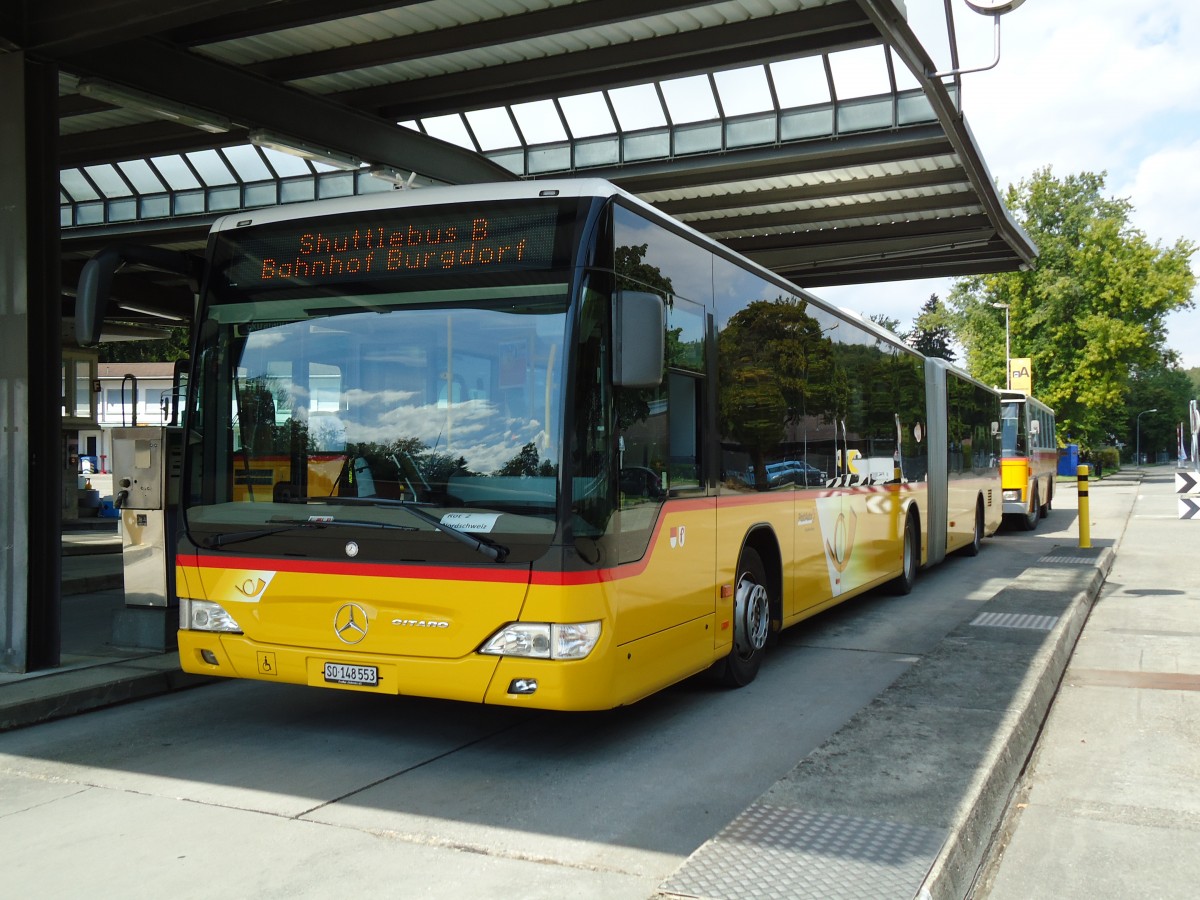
x: 1044, y: 510
x: 973, y: 548
x: 751, y: 622
x: 1030, y: 519
x: 910, y: 560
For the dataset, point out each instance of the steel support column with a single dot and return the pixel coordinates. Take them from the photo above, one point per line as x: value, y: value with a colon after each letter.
x: 30, y: 367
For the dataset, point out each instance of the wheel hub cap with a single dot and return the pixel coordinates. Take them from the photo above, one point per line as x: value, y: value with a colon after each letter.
x: 752, y: 617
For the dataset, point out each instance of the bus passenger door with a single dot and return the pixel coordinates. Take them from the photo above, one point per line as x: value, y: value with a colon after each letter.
x: 667, y: 515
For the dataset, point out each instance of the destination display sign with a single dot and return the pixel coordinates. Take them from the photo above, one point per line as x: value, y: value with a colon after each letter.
x: 388, y: 243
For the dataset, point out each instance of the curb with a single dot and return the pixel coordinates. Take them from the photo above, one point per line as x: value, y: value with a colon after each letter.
x: 82, y: 690
x: 982, y: 812
x: 905, y: 798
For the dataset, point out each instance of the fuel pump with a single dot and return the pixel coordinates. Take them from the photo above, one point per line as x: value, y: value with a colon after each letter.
x: 146, y: 468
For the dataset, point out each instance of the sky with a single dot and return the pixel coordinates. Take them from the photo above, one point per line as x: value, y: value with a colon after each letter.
x: 1082, y: 85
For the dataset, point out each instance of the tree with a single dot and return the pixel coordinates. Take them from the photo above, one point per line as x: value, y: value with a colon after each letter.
x: 886, y: 322
x: 1167, y: 389
x: 168, y: 349
x: 1089, y: 313
x: 932, y: 332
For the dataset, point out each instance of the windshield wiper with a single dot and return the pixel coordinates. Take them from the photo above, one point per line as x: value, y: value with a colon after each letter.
x: 493, y: 550
x: 236, y: 537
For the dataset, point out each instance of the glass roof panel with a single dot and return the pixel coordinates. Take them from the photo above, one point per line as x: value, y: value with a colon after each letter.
x: 73, y: 182
x: 211, y: 167
x: 285, y: 164
x: 449, y: 128
x: 493, y: 128
x: 905, y: 79
x: 690, y: 99
x: 588, y: 115
x: 930, y: 23
x: 800, y: 82
x: 744, y: 91
x: 539, y: 122
x: 141, y: 176
x: 174, y: 169
x: 247, y: 163
x: 638, y: 107
x: 110, y: 183
x: 860, y: 73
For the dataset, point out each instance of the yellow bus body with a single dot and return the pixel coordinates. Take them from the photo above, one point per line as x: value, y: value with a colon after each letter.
x: 664, y: 617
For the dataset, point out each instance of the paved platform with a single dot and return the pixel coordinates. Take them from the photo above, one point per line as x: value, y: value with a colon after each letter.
x: 903, y: 801
x: 1109, y: 805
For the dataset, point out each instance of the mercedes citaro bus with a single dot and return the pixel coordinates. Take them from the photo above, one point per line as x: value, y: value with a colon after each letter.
x: 509, y: 444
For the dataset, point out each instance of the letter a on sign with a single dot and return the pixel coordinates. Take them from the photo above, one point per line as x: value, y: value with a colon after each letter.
x: 1021, y: 376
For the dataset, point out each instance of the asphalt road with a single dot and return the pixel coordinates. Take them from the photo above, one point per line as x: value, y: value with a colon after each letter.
x: 248, y: 789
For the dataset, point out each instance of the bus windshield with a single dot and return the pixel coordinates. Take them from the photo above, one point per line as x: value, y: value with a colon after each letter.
x: 332, y: 418
x: 1012, y: 430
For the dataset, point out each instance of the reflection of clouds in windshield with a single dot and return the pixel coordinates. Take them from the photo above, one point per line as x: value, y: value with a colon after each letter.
x: 470, y: 429
x: 356, y: 397
x: 261, y: 340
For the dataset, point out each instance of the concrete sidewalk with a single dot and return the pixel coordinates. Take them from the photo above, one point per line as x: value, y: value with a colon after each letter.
x: 901, y: 802
x: 1110, y: 803
x: 93, y: 673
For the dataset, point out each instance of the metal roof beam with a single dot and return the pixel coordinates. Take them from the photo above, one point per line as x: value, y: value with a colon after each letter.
x: 848, y: 187
x: 472, y: 36
x: 166, y: 71
x: 264, y: 18
x: 967, y: 262
x: 65, y: 26
x: 797, y: 219
x: 783, y: 36
x: 819, y: 155
x: 870, y: 241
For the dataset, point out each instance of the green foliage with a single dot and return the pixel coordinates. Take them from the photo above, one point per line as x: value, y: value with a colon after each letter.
x: 526, y: 463
x: 775, y: 367
x: 1108, y: 459
x: 932, y: 332
x: 1194, y: 374
x: 883, y: 320
x: 1166, y: 389
x: 166, y: 350
x: 1090, y: 313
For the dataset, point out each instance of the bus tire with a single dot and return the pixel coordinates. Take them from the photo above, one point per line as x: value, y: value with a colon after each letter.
x: 1044, y: 510
x: 751, y: 623
x: 910, y: 559
x: 1030, y: 519
x: 973, y: 548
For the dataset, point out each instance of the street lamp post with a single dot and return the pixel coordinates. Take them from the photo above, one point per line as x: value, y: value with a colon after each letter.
x: 1007, y: 347
x: 1139, y: 433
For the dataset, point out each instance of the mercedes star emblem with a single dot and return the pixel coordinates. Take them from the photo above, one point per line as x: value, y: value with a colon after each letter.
x: 350, y: 623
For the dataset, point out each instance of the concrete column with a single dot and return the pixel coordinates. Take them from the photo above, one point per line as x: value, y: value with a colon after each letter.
x: 30, y: 366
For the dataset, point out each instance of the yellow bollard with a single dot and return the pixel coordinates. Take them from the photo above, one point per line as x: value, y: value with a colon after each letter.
x: 1085, y: 520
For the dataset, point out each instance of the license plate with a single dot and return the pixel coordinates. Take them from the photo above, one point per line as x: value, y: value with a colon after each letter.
x: 341, y: 673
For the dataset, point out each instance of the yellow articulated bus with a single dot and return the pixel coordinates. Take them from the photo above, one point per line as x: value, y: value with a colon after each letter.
x: 539, y: 445
x: 1029, y: 463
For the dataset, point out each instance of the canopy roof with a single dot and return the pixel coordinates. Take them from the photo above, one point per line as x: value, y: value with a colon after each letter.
x: 809, y: 135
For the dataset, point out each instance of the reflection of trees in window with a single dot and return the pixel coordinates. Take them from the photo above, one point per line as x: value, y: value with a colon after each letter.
x: 635, y: 274
x: 775, y: 368
x: 527, y: 463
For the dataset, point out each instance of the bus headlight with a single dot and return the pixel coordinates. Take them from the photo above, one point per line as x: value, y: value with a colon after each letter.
x: 544, y: 640
x: 1012, y: 495
x: 203, y: 615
